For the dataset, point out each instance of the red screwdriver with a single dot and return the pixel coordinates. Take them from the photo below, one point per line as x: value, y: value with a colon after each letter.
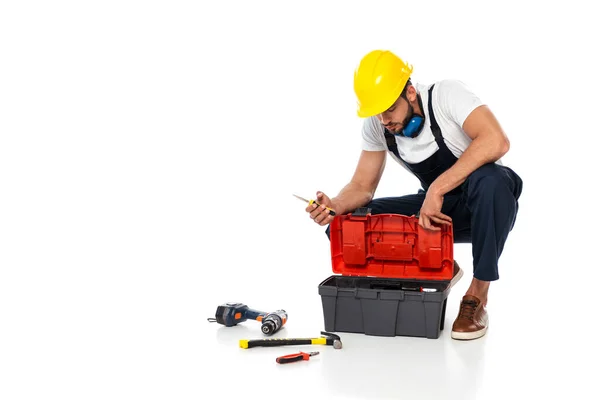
x: 290, y: 358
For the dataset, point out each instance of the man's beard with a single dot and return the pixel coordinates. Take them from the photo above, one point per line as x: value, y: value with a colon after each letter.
x: 398, y: 126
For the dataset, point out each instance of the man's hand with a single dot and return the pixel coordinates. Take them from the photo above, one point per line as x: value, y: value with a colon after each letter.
x: 431, y: 212
x: 319, y: 213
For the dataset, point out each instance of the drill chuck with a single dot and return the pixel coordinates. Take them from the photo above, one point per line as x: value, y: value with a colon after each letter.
x: 268, y: 327
x: 273, y: 322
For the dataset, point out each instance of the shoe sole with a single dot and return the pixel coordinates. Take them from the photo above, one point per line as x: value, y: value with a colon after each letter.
x: 469, y: 335
x: 456, y: 277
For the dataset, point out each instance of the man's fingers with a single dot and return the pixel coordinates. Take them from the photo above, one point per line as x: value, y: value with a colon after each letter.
x: 440, y: 220
x: 326, y: 220
x: 443, y: 216
x: 323, y: 199
x: 320, y: 217
x: 422, y: 219
x: 323, y: 217
x: 427, y: 224
x: 314, y: 210
x: 319, y: 213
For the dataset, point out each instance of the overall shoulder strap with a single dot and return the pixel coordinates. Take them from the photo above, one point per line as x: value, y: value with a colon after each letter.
x: 390, y: 141
x: 435, y: 128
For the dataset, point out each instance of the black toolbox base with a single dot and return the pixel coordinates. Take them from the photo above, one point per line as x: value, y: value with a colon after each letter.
x: 384, y: 307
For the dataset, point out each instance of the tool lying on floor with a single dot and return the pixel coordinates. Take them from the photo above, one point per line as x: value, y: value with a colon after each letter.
x: 290, y: 358
x: 327, y: 339
x: 331, y: 212
x: 231, y: 314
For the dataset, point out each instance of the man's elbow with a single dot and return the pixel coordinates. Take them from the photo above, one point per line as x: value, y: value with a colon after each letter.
x: 503, y: 146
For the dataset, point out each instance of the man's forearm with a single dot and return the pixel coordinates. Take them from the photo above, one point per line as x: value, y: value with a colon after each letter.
x: 480, y: 152
x: 351, y: 197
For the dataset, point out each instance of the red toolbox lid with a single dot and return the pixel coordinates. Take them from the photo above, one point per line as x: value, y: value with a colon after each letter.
x: 390, y: 246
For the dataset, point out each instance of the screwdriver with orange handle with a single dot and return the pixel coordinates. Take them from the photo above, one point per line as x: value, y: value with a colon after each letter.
x: 310, y: 202
x: 290, y: 358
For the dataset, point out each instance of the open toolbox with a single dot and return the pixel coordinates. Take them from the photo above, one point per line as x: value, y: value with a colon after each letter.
x: 394, y: 276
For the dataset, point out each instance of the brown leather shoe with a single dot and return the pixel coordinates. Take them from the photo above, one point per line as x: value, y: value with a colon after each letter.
x: 458, y: 273
x: 472, y: 320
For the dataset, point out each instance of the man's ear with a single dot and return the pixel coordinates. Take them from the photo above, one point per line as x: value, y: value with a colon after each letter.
x: 411, y: 94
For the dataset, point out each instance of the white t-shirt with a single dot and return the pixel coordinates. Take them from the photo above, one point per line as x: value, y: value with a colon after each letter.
x: 452, y: 103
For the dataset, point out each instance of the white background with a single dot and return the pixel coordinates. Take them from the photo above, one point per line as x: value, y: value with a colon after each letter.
x: 148, y: 154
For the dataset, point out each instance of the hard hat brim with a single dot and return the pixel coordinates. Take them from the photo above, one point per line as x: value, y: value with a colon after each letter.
x: 365, y: 112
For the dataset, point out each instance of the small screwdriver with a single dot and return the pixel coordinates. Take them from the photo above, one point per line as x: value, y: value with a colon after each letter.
x: 311, y: 202
x: 290, y: 358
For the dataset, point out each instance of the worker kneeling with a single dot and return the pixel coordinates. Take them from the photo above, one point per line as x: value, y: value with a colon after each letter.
x: 449, y: 139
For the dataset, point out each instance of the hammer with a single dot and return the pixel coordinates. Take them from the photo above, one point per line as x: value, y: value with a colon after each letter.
x: 326, y: 339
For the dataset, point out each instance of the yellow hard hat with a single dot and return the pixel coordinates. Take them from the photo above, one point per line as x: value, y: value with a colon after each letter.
x: 378, y: 81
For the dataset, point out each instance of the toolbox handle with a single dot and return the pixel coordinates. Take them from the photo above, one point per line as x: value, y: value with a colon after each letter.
x: 361, y: 212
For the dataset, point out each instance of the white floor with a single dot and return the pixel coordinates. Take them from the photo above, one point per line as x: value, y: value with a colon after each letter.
x: 537, y: 346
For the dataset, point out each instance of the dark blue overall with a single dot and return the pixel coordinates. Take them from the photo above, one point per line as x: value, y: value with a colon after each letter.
x: 483, y: 208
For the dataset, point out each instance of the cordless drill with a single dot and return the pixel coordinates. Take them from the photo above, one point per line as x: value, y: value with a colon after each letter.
x: 231, y: 314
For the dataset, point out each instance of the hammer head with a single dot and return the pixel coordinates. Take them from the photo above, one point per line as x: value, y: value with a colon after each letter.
x: 337, y: 341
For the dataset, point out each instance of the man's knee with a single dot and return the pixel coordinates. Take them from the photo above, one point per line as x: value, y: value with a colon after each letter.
x: 405, y: 205
x: 490, y: 179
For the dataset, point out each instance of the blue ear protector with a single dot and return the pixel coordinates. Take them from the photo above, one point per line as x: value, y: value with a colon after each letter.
x: 414, y: 126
